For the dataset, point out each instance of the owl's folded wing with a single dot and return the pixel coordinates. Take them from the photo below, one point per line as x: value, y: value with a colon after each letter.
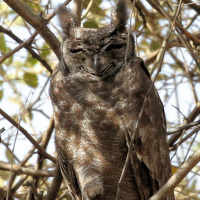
x: 150, y: 155
x: 69, y: 176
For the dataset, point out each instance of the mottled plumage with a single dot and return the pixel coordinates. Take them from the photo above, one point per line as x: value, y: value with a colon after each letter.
x: 97, y: 98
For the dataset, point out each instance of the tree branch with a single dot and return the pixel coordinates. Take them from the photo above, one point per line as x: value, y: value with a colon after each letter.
x: 28, y: 136
x: 87, y: 10
x: 4, y: 57
x: 193, y: 5
x: 24, y: 170
x: 56, y: 183
x: 27, y: 47
x: 77, y: 10
x: 177, y: 177
x: 37, y: 22
x: 187, y: 126
x: 195, y: 112
x: 159, y: 8
x: 45, y: 141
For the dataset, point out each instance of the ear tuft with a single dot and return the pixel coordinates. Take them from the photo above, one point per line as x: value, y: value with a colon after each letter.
x: 121, y: 12
x: 67, y: 18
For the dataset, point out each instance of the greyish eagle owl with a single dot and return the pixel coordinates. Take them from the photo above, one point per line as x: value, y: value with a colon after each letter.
x: 97, y: 92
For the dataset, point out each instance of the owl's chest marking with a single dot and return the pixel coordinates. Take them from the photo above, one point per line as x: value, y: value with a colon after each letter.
x: 96, y: 102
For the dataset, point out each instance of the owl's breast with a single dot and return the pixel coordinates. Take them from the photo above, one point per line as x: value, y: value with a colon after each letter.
x: 103, y: 104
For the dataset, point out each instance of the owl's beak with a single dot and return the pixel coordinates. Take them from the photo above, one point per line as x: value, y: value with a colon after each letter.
x: 96, y: 62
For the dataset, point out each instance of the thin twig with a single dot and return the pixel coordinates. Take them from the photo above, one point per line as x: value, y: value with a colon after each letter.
x: 25, y: 170
x: 77, y: 8
x: 27, y: 47
x: 22, y: 164
x: 190, y: 79
x: 5, y: 56
x: 193, y: 114
x: 155, y: 4
x: 175, y: 147
x: 160, y: 56
x: 2, y: 130
x: 179, y: 29
x: 193, y: 5
x: 12, y: 160
x: 87, y: 10
x: 184, y: 127
x: 18, y: 184
x: 10, y: 151
x: 143, y: 18
x: 37, y: 22
x: 190, y: 146
x: 28, y: 136
x: 186, y: 44
x: 45, y: 141
x: 34, y: 190
x: 39, y: 95
x: 53, y: 14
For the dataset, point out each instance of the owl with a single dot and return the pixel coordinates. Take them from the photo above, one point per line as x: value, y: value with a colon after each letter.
x: 97, y: 92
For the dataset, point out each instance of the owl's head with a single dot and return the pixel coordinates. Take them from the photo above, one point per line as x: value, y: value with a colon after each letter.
x: 100, y: 51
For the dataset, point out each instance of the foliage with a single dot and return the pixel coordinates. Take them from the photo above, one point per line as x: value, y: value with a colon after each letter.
x: 24, y: 79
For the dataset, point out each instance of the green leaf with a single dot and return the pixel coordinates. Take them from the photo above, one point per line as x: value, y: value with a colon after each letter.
x: 17, y: 65
x: 31, y: 79
x: 27, y: 115
x: 154, y: 45
x: 193, y: 185
x: 161, y: 77
x: 90, y: 24
x: 1, y: 94
x: 138, y: 25
x: 45, y: 50
x: 15, y: 101
x: 174, y: 169
x: 3, y: 47
x: 4, y: 175
x: 9, y: 156
x: 30, y: 61
x: 96, y: 8
x: 35, y: 7
x: 8, y: 60
x: 2, y: 71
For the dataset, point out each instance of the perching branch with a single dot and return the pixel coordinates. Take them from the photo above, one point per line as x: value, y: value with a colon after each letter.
x: 177, y: 177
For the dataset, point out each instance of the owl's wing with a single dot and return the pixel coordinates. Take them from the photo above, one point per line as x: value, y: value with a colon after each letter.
x: 142, y: 65
x: 66, y: 166
x: 69, y: 176
x: 150, y: 153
